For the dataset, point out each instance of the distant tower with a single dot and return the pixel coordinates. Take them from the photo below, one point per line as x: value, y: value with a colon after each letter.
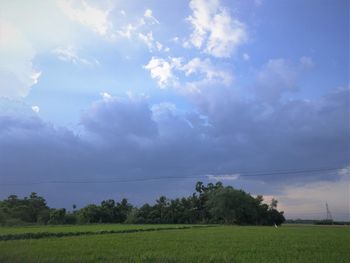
x: 329, y: 215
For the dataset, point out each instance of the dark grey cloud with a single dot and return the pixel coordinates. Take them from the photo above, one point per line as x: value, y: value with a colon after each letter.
x: 117, y: 117
x: 277, y: 77
x: 283, y: 135
x: 129, y: 138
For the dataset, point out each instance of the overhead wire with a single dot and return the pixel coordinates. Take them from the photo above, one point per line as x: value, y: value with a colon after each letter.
x: 144, y: 179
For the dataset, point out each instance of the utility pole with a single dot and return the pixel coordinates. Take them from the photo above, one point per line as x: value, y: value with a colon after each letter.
x: 329, y: 215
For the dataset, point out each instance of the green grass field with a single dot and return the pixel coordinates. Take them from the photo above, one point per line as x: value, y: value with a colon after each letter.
x: 77, y: 228
x: 211, y: 244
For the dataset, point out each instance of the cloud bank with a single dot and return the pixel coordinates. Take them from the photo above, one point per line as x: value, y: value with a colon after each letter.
x: 130, y: 138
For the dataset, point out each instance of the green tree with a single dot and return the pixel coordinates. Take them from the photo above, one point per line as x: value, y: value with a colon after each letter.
x: 57, y: 216
x: 90, y: 214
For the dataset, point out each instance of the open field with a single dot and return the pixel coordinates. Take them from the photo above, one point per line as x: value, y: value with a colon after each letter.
x: 207, y: 244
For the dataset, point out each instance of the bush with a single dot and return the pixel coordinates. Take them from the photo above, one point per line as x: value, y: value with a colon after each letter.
x: 14, y: 222
x: 70, y: 219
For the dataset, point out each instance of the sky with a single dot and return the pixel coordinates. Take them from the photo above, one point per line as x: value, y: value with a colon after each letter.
x: 137, y: 99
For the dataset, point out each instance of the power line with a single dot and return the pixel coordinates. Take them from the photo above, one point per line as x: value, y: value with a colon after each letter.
x: 121, y: 180
x: 321, y: 213
x: 127, y: 180
x: 290, y: 171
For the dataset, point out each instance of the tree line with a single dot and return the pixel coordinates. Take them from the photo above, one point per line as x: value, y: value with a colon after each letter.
x: 211, y: 203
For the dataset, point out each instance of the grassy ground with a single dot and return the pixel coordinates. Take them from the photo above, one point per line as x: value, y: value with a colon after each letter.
x: 76, y: 228
x: 214, y: 244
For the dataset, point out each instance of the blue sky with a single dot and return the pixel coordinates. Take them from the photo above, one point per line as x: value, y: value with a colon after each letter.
x: 215, y: 90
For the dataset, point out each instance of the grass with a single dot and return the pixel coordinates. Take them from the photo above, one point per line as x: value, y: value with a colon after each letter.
x: 101, y: 229
x: 76, y: 228
x: 214, y: 244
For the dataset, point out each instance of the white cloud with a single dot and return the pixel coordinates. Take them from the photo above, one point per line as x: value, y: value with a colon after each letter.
x: 205, y: 67
x: 196, y: 73
x: 21, y: 41
x: 69, y: 54
x: 137, y: 31
x: 17, y: 73
x: 246, y: 56
x: 159, y: 109
x: 345, y: 172
x: 35, y: 108
x: 161, y: 70
x: 106, y: 96
x: 176, y: 61
x: 151, y: 43
x: 223, y: 177
x: 35, y: 77
x: 147, y: 39
x: 149, y: 15
x: 159, y: 46
x: 128, y: 31
x: 94, y: 18
x: 215, y: 32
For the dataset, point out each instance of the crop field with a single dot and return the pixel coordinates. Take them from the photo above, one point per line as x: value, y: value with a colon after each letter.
x: 191, y: 244
x: 79, y: 228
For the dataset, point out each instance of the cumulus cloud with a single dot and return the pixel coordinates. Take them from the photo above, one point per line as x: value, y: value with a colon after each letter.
x: 206, y: 67
x: 162, y: 71
x: 22, y: 41
x: 17, y: 73
x: 35, y: 108
x: 196, y: 73
x: 215, y: 31
x: 92, y: 17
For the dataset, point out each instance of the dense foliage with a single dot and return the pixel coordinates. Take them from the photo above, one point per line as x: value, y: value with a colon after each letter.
x: 209, y: 204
